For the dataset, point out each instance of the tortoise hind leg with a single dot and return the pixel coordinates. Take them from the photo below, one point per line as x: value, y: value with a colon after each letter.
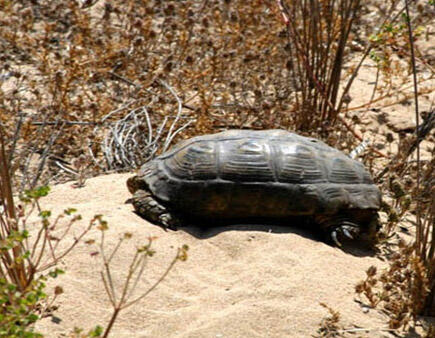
x: 147, y: 206
x: 338, y: 228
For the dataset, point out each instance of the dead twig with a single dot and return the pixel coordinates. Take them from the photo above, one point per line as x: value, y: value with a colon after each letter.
x: 65, y: 122
x: 138, y: 137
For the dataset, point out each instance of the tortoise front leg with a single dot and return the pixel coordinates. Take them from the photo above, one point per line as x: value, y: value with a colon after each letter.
x: 338, y: 227
x: 147, y: 206
x: 346, y: 229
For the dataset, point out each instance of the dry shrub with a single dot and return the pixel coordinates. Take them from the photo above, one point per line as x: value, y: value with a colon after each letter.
x: 401, y: 289
x: 330, y: 326
x: 318, y: 49
x: 407, y: 287
x: 29, y: 253
x: 72, y: 74
x: 425, y: 236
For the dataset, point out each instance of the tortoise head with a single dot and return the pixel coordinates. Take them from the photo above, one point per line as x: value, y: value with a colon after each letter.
x: 133, y: 184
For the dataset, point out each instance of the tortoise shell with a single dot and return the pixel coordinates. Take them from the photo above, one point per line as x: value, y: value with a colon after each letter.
x: 271, y: 173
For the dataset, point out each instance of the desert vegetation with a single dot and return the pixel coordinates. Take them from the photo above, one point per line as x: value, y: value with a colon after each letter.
x: 90, y: 87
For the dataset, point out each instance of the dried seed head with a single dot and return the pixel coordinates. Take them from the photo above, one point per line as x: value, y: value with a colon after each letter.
x: 152, y: 34
x: 282, y: 34
x: 58, y: 290
x: 347, y: 99
x: 108, y: 7
x: 359, y: 288
x: 138, y: 23
x: 389, y: 137
x: 169, y: 66
x: 138, y: 41
x: 258, y: 93
x: 388, y: 286
x: 371, y: 271
x: 373, y: 281
x: 397, y: 189
x: 27, y: 13
x: 169, y: 10
x: 234, y: 17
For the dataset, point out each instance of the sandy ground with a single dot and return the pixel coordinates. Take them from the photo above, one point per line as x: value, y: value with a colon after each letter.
x: 253, y: 281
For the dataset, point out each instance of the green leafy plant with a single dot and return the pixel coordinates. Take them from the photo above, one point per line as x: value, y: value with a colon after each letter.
x: 28, y: 257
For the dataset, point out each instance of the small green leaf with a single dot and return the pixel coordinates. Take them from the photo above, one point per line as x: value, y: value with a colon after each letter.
x: 405, y: 17
x: 11, y: 287
x: 56, y: 272
x: 37, y: 193
x: 96, y: 332
x: 31, y: 298
x: 388, y: 28
x: 32, y: 318
x: 103, y: 224
x: 69, y: 211
x: 45, y: 213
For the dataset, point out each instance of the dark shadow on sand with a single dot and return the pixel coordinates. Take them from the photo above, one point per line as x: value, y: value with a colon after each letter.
x: 204, y: 229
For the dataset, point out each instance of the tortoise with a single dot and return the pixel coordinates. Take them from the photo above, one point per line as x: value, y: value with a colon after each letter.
x: 248, y: 174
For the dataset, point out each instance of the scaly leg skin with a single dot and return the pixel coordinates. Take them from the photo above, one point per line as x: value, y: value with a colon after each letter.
x: 338, y: 228
x: 148, y: 207
x: 347, y: 229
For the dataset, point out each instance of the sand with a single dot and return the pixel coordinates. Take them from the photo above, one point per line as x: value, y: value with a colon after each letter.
x: 251, y: 281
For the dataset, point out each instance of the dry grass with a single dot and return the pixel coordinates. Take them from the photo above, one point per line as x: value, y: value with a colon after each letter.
x: 72, y: 76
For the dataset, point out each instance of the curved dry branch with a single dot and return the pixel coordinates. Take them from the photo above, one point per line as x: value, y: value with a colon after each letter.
x: 137, y: 138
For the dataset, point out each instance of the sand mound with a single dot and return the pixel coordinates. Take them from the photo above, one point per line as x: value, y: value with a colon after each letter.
x: 247, y: 282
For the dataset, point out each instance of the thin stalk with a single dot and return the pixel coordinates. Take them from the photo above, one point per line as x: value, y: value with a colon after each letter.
x: 366, y: 53
x: 112, y: 321
x: 17, y: 270
x: 419, y: 234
